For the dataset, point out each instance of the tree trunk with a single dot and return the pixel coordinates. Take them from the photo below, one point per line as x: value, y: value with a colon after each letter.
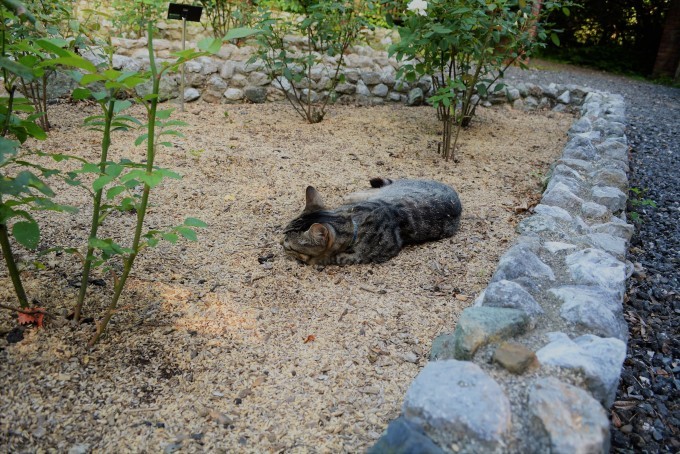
x: 668, y: 55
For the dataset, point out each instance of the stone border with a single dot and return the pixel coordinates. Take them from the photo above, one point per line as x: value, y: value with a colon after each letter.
x: 534, y: 364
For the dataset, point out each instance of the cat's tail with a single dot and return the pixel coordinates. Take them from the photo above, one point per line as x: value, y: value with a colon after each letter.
x: 380, y: 182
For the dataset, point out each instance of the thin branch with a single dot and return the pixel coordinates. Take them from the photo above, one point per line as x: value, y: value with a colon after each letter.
x: 27, y: 312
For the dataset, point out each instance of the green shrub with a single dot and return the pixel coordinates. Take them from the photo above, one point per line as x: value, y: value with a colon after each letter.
x: 465, y: 46
x: 328, y: 28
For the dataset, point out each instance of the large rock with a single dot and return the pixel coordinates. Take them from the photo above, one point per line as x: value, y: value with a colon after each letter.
x: 554, y: 212
x: 256, y: 95
x: 569, y: 177
x: 522, y: 265
x: 613, y: 149
x: 371, y: 77
x: 457, y: 402
x: 404, y: 437
x: 415, y: 97
x: 515, y: 358
x: 572, y: 420
x: 593, y: 266
x: 594, y: 211
x: 599, y: 359
x: 167, y: 88
x: 478, y: 326
x: 510, y: 295
x: 611, y: 176
x: 362, y: 89
x: 214, y: 89
x: 579, y: 147
x: 560, y: 195
x: 609, y: 243
x: 612, y: 198
x: 615, y: 227
x: 191, y: 94
x: 594, y: 308
x: 537, y: 224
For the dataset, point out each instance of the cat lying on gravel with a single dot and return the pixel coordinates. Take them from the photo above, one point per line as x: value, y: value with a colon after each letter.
x: 375, y: 223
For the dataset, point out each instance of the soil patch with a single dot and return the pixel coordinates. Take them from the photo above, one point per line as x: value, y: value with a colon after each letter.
x: 227, y: 344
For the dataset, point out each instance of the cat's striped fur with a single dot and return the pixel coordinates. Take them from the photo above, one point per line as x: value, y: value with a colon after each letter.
x: 375, y: 224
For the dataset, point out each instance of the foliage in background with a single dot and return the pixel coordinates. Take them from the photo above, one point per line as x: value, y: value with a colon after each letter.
x: 224, y: 15
x: 131, y: 17
x: 329, y: 27
x: 57, y: 20
x: 619, y: 36
x: 465, y: 46
x: 22, y: 185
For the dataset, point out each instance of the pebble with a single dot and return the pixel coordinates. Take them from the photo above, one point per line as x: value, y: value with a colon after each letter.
x: 516, y: 358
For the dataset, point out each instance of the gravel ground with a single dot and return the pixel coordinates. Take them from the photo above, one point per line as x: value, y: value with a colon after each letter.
x: 646, y: 414
x: 226, y: 345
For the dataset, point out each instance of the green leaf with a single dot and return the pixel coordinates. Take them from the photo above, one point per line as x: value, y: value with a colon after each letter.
x: 194, y: 222
x: 108, y: 246
x: 240, y: 32
x: 141, y: 139
x: 119, y: 106
x: 164, y: 114
x: 175, y: 123
x: 8, y: 149
x: 81, y: 93
x: 211, y: 45
x: 171, y: 237
x: 27, y: 233
x: 438, y: 28
x: 168, y: 173
x: 115, y: 191
x: 555, y: 39
x: 73, y: 61
x: 87, y: 79
x: 20, y: 70
x: 88, y: 167
x: 34, y: 130
x: 171, y: 132
x: 187, y: 233
x: 114, y: 169
x: 55, y: 46
x: 102, y: 181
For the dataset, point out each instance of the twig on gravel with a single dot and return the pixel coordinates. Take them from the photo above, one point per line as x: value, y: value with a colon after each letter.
x: 141, y: 410
x: 24, y: 311
x: 370, y: 290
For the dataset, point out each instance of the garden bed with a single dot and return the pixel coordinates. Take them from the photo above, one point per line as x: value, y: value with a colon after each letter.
x: 225, y: 343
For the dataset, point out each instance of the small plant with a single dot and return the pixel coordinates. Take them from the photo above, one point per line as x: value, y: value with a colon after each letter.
x: 309, y: 74
x: 125, y: 176
x: 638, y: 200
x: 465, y: 46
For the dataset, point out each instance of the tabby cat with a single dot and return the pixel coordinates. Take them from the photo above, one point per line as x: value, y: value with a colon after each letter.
x: 375, y: 223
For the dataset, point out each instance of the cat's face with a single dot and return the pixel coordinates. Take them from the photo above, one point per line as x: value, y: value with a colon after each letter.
x: 305, y: 246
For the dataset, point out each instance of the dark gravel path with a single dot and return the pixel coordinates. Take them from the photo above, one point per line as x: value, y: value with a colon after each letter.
x: 646, y: 415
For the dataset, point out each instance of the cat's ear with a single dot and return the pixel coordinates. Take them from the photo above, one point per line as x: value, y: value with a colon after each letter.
x: 319, y: 234
x: 314, y: 202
